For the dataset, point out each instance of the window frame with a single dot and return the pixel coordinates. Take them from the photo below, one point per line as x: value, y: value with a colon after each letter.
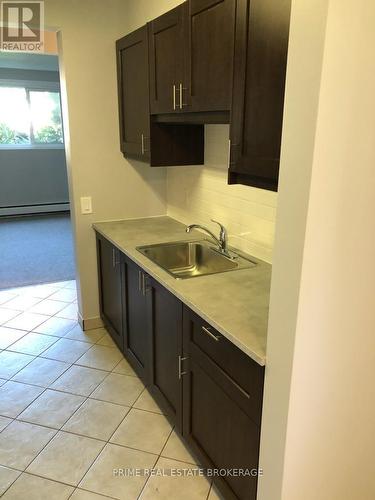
x: 29, y: 86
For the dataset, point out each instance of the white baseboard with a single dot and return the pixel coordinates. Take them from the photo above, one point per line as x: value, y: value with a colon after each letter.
x: 90, y: 323
x: 35, y: 209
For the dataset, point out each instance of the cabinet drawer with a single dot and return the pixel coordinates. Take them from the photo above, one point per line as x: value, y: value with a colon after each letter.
x: 244, y: 373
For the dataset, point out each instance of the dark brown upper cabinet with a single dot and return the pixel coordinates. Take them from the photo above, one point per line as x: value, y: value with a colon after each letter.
x: 209, y: 56
x: 166, y: 46
x: 191, y: 61
x: 133, y: 94
x: 261, y: 47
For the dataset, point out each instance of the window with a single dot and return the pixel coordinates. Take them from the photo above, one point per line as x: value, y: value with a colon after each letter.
x: 30, y: 117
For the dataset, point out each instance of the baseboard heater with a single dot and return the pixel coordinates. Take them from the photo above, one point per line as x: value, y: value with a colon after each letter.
x: 34, y: 209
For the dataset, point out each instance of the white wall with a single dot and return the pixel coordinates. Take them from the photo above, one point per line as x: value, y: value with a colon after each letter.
x: 96, y: 167
x: 200, y: 193
x: 318, y: 435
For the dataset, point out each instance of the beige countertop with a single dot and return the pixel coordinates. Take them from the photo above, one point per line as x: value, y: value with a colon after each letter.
x: 235, y: 303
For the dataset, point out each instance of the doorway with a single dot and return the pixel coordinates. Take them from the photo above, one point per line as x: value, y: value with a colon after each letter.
x: 36, y: 244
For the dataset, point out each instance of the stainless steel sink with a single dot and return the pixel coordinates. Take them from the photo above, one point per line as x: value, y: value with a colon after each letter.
x: 188, y: 259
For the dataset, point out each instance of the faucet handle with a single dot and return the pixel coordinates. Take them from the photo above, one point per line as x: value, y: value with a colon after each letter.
x: 223, y: 231
x: 222, y: 228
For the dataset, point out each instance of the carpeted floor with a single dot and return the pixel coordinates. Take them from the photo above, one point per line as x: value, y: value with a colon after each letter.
x: 36, y: 249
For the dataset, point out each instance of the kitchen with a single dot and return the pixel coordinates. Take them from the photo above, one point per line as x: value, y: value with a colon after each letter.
x: 228, y: 354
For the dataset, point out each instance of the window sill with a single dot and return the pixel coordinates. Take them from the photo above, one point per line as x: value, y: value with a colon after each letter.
x: 18, y: 147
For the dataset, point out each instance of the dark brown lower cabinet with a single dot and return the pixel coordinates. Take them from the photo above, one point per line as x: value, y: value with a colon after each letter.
x: 136, y: 338
x: 165, y: 322
x: 111, y: 276
x: 222, y: 399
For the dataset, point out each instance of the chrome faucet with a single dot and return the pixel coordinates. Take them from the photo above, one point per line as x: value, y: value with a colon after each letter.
x: 222, y: 241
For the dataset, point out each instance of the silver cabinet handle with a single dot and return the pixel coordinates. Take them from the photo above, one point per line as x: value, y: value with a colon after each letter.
x: 182, y: 88
x: 210, y: 334
x: 143, y: 138
x: 174, y: 96
x: 115, y: 261
x: 180, y: 372
x: 140, y: 280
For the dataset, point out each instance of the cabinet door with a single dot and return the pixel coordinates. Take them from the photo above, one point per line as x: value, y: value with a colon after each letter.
x: 218, y: 418
x: 110, y: 272
x: 165, y: 316
x: 133, y: 94
x: 166, y: 49
x: 136, y: 342
x: 209, y: 55
x: 261, y: 47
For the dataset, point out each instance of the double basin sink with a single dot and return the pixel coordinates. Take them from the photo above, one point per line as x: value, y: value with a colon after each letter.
x: 189, y: 259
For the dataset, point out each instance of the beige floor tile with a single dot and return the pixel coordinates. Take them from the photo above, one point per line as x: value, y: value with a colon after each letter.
x: 20, y: 443
x: 66, y: 350
x: 107, y: 340
x: 64, y: 295
x: 124, y: 368
x: 42, y: 372
x: 32, y: 343
x: 12, y: 362
x: 21, y: 302
x: 79, y: 380
x: 102, y: 477
x: 120, y: 389
x: 15, y: 397
x: 7, y: 314
x: 143, y: 430
x: 90, y: 336
x: 6, y: 296
x: 177, y: 450
x: 66, y: 458
x: 176, y: 485
x: 9, y: 335
x: 4, y: 421
x: 48, y: 307
x: 39, y: 291
x: 27, y: 321
x: 101, y: 357
x: 36, y: 488
x: 58, y: 327
x: 7, y: 477
x: 52, y: 409
x: 71, y: 284
x: 96, y: 419
x: 86, y: 495
x: 147, y: 402
x: 69, y: 312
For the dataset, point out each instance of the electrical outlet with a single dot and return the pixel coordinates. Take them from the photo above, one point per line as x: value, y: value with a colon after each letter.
x: 86, y: 205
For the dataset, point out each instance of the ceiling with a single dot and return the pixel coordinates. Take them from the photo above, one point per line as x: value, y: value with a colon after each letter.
x: 39, y: 62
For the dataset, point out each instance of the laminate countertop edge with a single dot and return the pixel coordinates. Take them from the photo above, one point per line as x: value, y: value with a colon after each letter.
x: 247, y: 328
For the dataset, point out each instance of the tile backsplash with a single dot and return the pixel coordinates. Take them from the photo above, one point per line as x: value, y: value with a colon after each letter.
x: 201, y: 193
